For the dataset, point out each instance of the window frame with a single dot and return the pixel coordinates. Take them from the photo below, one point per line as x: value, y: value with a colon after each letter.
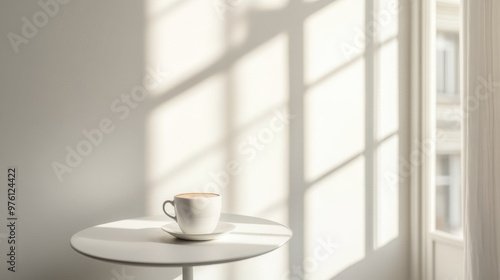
x: 423, y: 115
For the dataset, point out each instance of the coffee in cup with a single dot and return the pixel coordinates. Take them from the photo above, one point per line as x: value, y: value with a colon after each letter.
x: 196, y: 213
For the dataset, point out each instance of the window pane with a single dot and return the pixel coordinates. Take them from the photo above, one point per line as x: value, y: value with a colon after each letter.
x: 448, y: 188
x: 447, y: 70
x: 448, y: 194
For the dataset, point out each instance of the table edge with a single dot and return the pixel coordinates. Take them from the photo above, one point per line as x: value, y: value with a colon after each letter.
x: 148, y: 264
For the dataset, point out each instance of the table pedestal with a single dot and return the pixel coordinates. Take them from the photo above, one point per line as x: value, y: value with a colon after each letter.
x: 187, y: 273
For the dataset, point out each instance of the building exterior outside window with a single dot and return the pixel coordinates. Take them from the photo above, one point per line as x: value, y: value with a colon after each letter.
x: 448, y: 189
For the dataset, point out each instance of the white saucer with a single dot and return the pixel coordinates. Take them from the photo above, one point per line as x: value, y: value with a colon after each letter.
x: 221, y: 229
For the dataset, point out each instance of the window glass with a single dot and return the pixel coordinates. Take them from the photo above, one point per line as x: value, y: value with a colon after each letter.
x: 448, y: 188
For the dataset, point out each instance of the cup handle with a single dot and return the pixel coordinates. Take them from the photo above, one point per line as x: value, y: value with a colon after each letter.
x: 171, y: 202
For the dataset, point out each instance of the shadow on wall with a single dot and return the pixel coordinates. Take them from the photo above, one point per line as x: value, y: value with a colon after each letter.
x: 291, y: 110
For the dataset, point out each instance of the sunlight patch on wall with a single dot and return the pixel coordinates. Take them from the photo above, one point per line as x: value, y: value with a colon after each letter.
x: 259, y: 92
x: 261, y: 80
x: 262, y: 186
x: 185, y: 141
x: 387, y: 194
x: 334, y: 121
x: 335, y: 222
x: 183, y: 39
x: 330, y: 36
x: 387, y: 126
x: 388, y: 90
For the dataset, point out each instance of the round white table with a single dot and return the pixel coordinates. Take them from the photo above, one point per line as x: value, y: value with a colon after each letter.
x: 141, y: 241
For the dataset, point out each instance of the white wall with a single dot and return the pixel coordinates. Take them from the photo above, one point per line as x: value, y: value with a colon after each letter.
x: 221, y: 77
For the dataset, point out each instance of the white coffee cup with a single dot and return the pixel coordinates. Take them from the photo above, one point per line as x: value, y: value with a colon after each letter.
x: 196, y: 213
